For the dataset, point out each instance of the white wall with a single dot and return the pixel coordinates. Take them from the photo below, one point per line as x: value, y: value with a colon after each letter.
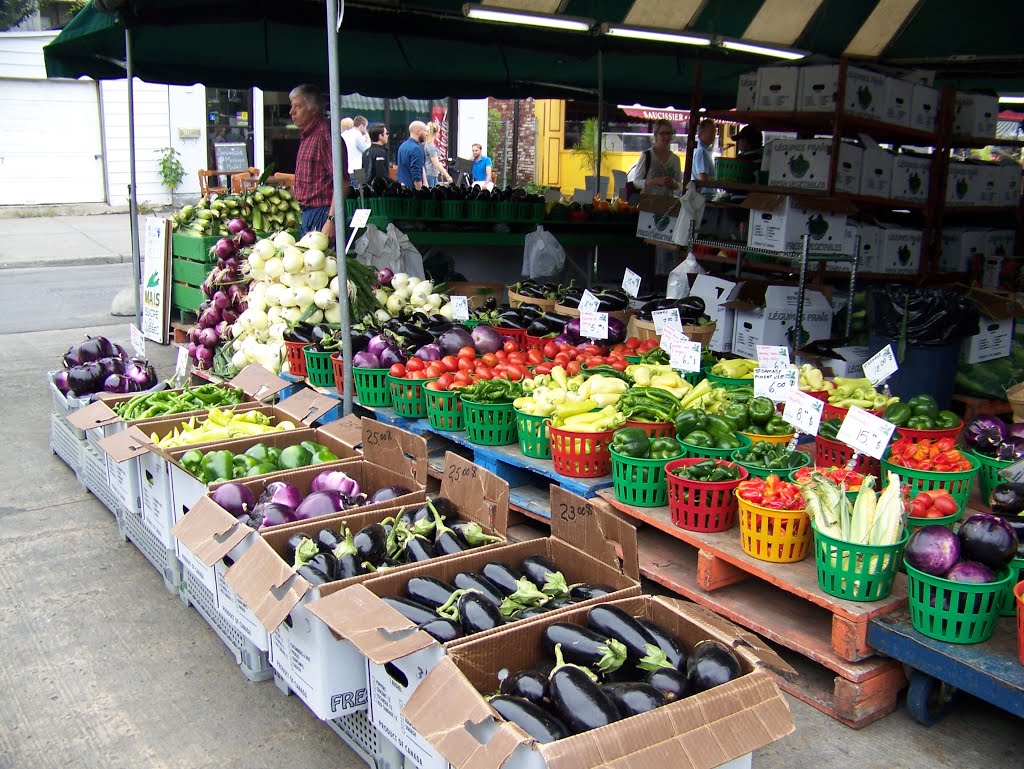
x: 151, y: 134
x: 21, y: 54
x: 187, y: 109
x: 472, y: 126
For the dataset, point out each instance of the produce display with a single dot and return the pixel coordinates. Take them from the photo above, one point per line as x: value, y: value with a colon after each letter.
x: 989, y: 435
x: 841, y: 476
x: 493, y: 391
x: 920, y: 413
x: 224, y: 465
x: 692, y: 310
x: 532, y: 289
x: 771, y: 456
x: 162, y: 403
x: 858, y: 392
x: 699, y: 428
x: 870, y: 520
x: 664, y: 377
x: 940, y: 455
x: 709, y: 471
x: 634, y: 442
x: 263, y: 209
x: 649, y: 404
x: 220, y: 425
x: 755, y: 415
x: 771, y: 492
x: 607, y: 418
x: 543, y: 394
x: 982, y: 547
x: 574, y: 358
x: 97, y: 365
x: 610, y: 300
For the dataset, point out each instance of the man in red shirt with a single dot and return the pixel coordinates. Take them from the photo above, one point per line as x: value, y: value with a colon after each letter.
x: 314, y: 170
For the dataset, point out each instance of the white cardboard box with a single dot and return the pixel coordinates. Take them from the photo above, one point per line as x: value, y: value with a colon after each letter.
x: 779, y: 222
x: 777, y: 88
x: 714, y: 291
x: 870, y: 247
x: 764, y: 315
x: 819, y: 86
x: 1000, y: 242
x: 899, y: 99
x: 995, y: 340
x: 876, y: 170
x: 800, y: 163
x: 849, y: 362
x: 657, y: 218
x: 924, y: 108
x: 960, y: 246
x: 992, y: 177
x: 900, y: 251
x: 911, y: 177
x: 1010, y: 184
x: 975, y: 114
x: 746, y: 92
x: 848, y: 169
x: 963, y: 184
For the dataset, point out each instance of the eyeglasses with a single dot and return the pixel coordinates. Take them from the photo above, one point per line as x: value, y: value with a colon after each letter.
x: 666, y: 133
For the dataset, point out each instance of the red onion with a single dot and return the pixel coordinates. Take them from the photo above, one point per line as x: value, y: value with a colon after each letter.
x: 246, y: 237
x: 209, y: 318
x: 204, y: 355
x: 224, y: 248
x: 192, y: 347
x: 229, y: 316
x: 236, y: 226
x: 208, y: 337
x: 221, y: 300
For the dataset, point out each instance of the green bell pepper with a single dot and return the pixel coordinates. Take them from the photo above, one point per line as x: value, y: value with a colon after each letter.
x: 323, y: 455
x: 946, y: 419
x: 898, y: 414
x: 192, y: 461
x: 722, y: 473
x: 688, y: 420
x: 727, y: 441
x: 737, y: 414
x: 665, y: 448
x: 920, y: 422
x: 778, y: 426
x: 716, y: 425
x: 294, y: 457
x: 923, y: 406
x: 260, y: 452
x: 700, y: 438
x: 261, y: 469
x: 631, y: 442
x: 697, y: 472
x: 217, y: 466
x: 760, y: 410
x: 241, y: 464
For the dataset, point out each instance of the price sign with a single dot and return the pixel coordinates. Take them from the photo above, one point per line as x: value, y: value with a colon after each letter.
x: 664, y: 318
x: 589, y: 302
x: 772, y: 356
x: 360, y: 218
x: 775, y: 383
x: 594, y: 325
x: 685, y: 356
x: 460, y: 308
x: 1013, y: 473
x: 181, y: 366
x: 138, y: 341
x: 631, y: 283
x: 865, y: 432
x: 803, y: 411
x: 881, y: 365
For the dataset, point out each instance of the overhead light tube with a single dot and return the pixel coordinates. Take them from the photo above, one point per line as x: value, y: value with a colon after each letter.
x: 655, y: 35
x: 502, y: 16
x: 762, y: 50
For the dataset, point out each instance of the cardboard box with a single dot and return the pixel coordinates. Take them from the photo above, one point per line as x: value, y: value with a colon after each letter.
x: 714, y: 291
x: 911, y: 177
x: 746, y: 92
x: 777, y: 89
x: 766, y: 313
x: 870, y: 256
x: 901, y: 251
x: 1010, y: 184
x: 779, y: 223
x: 924, y: 108
x: 975, y: 115
x: 961, y: 247
x: 991, y: 178
x: 707, y: 729
x: 964, y: 182
x: 995, y: 339
x: 899, y: 100
x: 848, y: 360
x: 876, y: 170
x: 848, y: 169
x: 800, y: 163
x: 657, y: 218
x: 582, y: 546
x: 819, y: 87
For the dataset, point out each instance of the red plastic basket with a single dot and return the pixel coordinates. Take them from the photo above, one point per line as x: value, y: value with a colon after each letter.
x: 1018, y: 593
x: 581, y: 455
x: 654, y: 429
x: 518, y: 335
x: 701, y: 505
x: 821, y: 395
x: 339, y: 372
x: 838, y: 412
x: 828, y: 452
x: 916, y: 436
x: 295, y: 354
x: 536, y: 342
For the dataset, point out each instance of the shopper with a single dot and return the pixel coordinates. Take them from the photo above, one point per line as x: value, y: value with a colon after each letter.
x: 433, y: 166
x: 358, y: 142
x: 703, y: 158
x: 345, y: 124
x: 482, y: 168
x: 658, y: 171
x: 749, y: 144
x: 314, y: 169
x: 410, y: 156
x: 375, y: 159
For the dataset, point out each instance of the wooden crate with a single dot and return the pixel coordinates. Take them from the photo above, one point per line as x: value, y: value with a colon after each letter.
x: 193, y: 247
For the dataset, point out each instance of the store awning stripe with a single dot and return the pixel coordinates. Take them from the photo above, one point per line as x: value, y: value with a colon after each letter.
x: 882, y: 27
x: 782, y: 21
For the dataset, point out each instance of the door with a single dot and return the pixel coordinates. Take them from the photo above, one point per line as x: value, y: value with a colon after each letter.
x: 550, y: 138
x: 50, y: 145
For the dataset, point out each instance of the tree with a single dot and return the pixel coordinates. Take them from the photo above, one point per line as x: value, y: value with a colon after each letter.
x: 13, y: 12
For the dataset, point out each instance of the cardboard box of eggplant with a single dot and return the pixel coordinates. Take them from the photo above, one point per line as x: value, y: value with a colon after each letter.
x: 326, y: 672
x: 577, y: 563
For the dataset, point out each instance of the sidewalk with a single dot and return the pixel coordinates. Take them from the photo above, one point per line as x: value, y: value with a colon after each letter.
x: 64, y: 240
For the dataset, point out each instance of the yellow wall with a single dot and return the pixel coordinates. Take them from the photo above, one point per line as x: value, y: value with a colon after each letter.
x: 572, y: 176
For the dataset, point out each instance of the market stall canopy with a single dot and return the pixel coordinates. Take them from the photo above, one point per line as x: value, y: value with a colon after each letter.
x: 430, y: 49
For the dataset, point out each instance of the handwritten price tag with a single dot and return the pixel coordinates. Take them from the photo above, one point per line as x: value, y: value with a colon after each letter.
x: 138, y: 341
x: 359, y: 218
x: 684, y: 356
x: 772, y: 356
x: 775, y: 383
x: 664, y: 318
x: 865, y: 432
x: 881, y: 365
x: 181, y: 366
x: 803, y: 411
x: 589, y: 302
x: 1013, y: 473
x: 594, y: 325
x: 460, y: 308
x: 631, y: 283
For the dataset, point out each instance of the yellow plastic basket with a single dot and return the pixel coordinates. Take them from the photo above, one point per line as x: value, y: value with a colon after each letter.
x: 778, y: 536
x: 756, y: 438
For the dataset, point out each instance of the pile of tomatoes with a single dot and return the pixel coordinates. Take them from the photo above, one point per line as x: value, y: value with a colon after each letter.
x: 633, y: 346
x: 465, y: 367
x: 572, y: 358
x: 934, y: 503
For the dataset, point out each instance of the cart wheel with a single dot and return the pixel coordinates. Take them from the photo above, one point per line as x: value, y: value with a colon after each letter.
x: 928, y: 698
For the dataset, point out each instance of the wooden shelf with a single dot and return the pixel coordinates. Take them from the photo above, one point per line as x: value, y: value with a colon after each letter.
x: 824, y: 122
x: 862, y: 200
x: 979, y: 142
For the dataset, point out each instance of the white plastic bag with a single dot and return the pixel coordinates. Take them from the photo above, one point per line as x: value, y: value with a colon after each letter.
x: 543, y: 255
x: 691, y: 212
x: 680, y: 279
x: 391, y: 249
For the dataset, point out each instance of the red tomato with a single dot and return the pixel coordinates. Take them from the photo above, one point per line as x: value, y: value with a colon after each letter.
x: 435, y: 369
x: 436, y: 386
x: 467, y: 352
x: 445, y: 381
x: 535, y: 357
x: 483, y: 372
x: 510, y: 346
x: 543, y: 368
x: 632, y: 343
x: 490, y: 360
x: 501, y: 355
x: 562, y: 359
x: 619, y: 364
x: 573, y: 368
x: 501, y: 374
x: 944, y: 504
x: 466, y: 364
x: 515, y: 373
x: 594, y: 360
x: 550, y: 350
x: 462, y: 378
x: 920, y: 506
x: 416, y: 375
x: 517, y: 358
x: 415, y: 364
x: 451, y: 363
x: 397, y: 371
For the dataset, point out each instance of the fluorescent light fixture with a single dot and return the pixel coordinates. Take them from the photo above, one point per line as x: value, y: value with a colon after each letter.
x: 487, y: 13
x: 1011, y: 99
x: 762, y: 50
x: 654, y: 35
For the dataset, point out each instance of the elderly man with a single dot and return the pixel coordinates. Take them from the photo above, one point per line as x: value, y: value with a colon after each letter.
x: 410, y: 156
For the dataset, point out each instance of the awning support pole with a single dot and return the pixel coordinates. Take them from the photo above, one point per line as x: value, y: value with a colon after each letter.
x: 600, y: 143
x: 133, y: 202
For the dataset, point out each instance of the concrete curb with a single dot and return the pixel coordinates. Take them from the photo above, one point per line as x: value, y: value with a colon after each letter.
x: 68, y: 261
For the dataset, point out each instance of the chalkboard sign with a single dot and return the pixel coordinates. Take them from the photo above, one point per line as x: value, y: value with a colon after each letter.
x: 232, y: 156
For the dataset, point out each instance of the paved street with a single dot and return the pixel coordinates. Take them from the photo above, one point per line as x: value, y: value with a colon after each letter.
x: 45, y: 298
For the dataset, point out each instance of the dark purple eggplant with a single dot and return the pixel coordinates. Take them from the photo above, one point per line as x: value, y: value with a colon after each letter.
x: 371, y: 543
x: 442, y: 629
x: 503, y: 576
x: 477, y: 614
x: 445, y: 508
x: 428, y: 591
x: 711, y: 664
x: 472, y: 534
x: 325, y: 563
x: 537, y: 569
x: 419, y: 549
x: 671, y: 682
x: 533, y: 611
x: 560, y: 603
x: 586, y: 591
x: 299, y: 548
x: 613, y: 622
x: 446, y: 542
x: 529, y: 684
x: 669, y: 643
x: 348, y: 566
x: 467, y: 580
x: 416, y: 613
x: 313, y: 576
x: 632, y: 699
x: 329, y: 539
x: 582, y: 646
x: 531, y: 718
x: 579, y: 701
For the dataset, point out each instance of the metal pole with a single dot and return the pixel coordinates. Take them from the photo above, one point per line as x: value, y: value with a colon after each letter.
x: 515, y: 139
x: 133, y: 203
x: 334, y: 83
x: 600, y: 142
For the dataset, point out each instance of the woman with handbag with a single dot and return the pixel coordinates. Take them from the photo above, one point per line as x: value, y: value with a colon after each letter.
x: 658, y: 172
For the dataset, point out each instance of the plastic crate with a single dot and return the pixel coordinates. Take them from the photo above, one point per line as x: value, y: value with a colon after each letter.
x: 654, y: 429
x: 518, y: 335
x: 832, y: 453
x: 361, y: 736
x: 581, y: 455
x: 65, y: 445
x: 756, y: 471
x: 319, y: 369
x: 407, y: 396
x: 856, y: 572
x: 954, y: 612
x: 916, y: 436
x: 707, y: 452
x: 988, y: 472
x: 1018, y: 594
x: 253, y: 663
x: 1008, y: 608
x: 489, y: 424
x: 371, y: 385
x: 94, y: 474
x: 758, y: 438
x: 453, y: 210
x: 295, y: 355
x: 777, y: 536
x: 534, y: 439
x: 444, y: 410
x: 164, y: 560
x: 639, y: 482
x: 339, y: 372
x: 958, y: 484
x: 702, y: 505
x: 946, y: 520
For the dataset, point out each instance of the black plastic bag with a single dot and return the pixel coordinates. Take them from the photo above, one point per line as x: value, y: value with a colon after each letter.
x: 921, y: 316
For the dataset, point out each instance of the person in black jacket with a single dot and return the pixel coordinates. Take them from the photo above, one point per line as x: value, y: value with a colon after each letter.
x: 375, y: 159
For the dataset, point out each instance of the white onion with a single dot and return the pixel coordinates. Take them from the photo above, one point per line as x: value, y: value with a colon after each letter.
x: 277, y: 330
x: 304, y: 296
x: 274, y: 267
x: 273, y: 294
x: 325, y: 298
x: 381, y: 295
x: 264, y: 249
x: 274, y: 314
x: 333, y: 285
x: 315, y: 318
x: 317, y: 279
x: 283, y: 239
x: 287, y: 279
x: 239, y: 361
x: 258, y: 320
x: 292, y: 259
x: 291, y: 314
x: 258, y: 302
x: 331, y: 266
x: 314, y: 260
x: 399, y: 279
x: 333, y: 314
x: 314, y: 240
x: 258, y: 273
x: 287, y: 297
x: 434, y: 300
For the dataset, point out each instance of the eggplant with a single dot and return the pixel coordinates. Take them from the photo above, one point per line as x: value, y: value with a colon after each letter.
x: 632, y: 699
x: 414, y: 335
x: 416, y: 613
x: 348, y: 566
x: 301, y: 335
x: 582, y: 646
x: 533, y: 292
x: 477, y: 614
x: 530, y: 613
x: 537, y: 568
x: 467, y: 580
x: 673, y: 683
x: 668, y: 642
x: 446, y: 541
x: 540, y: 327
x: 371, y: 543
x: 560, y: 603
x: 571, y: 301
x: 613, y: 622
x: 428, y: 591
x: 325, y: 563
x: 419, y: 549
x: 528, y: 684
x: 691, y: 304
x: 442, y: 629
x: 360, y: 340
x: 445, y: 508
x: 313, y: 576
x: 511, y: 320
x: 530, y: 307
x: 292, y: 545
x: 711, y: 664
x: 588, y: 590
x: 531, y: 718
x: 502, y: 576
x: 328, y: 539
x: 580, y: 701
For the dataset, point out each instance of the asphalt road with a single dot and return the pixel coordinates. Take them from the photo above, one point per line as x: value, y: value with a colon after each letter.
x: 48, y: 298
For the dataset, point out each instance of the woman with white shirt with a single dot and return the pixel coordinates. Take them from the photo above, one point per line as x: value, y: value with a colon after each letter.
x: 658, y: 171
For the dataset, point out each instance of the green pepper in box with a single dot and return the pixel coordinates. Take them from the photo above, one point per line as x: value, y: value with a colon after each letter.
x: 192, y: 461
x: 294, y: 457
x: 631, y: 442
x: 717, y: 426
x: 218, y: 466
x: 262, y: 469
x: 241, y: 464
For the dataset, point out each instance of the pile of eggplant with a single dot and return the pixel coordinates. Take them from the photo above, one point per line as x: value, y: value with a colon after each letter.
x: 611, y: 299
x: 497, y: 594
x: 614, y: 667
x: 336, y: 552
x: 692, y: 310
x: 532, y: 289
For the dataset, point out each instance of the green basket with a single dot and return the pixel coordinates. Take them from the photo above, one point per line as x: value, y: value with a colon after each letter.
x: 444, y: 410
x: 723, y: 381
x: 706, y: 452
x: 388, y: 208
x: 856, y: 572
x: 946, y: 520
x: 453, y: 210
x: 351, y: 204
x: 371, y: 386
x: 1008, y: 606
x: 955, y: 612
x: 694, y: 378
x: 489, y: 424
x: 505, y: 210
x: 640, y: 482
x: 958, y: 484
x: 633, y: 360
x: 319, y: 368
x: 534, y: 440
x: 756, y: 471
x: 479, y: 210
x: 407, y: 396
x: 988, y: 473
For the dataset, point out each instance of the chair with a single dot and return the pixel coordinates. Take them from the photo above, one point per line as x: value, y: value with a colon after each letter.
x: 205, y: 189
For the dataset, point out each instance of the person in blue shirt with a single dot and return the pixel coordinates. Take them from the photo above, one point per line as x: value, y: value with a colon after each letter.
x: 410, y: 156
x: 703, y: 159
x: 481, y: 166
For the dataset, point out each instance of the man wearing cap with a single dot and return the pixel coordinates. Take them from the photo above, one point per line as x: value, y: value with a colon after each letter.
x: 749, y: 144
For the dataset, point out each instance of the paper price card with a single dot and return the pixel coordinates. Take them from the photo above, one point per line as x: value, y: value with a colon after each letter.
x: 594, y: 325
x: 664, y: 318
x: 684, y: 356
x: 803, y: 411
x: 772, y: 356
x: 775, y: 383
x: 359, y: 218
x: 631, y: 283
x: 865, y: 432
x: 460, y: 307
x: 1013, y: 473
x: 589, y: 302
x: 181, y: 366
x: 881, y: 365
x: 138, y: 341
